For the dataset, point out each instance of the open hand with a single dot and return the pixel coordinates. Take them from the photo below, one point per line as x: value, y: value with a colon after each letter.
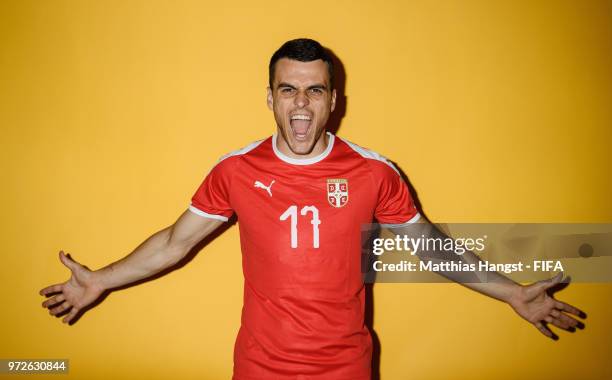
x: 73, y: 295
x: 533, y: 303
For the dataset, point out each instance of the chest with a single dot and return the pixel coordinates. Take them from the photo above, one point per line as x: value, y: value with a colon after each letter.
x: 331, y: 199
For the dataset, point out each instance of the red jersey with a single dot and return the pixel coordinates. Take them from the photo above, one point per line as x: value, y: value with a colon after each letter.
x: 300, y: 232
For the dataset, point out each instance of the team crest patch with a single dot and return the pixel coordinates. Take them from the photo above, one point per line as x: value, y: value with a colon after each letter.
x: 337, y: 192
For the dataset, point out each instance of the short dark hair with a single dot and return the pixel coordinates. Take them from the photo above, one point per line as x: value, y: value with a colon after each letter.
x: 303, y: 50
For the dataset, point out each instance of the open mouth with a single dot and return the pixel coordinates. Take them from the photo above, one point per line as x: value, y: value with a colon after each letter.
x: 300, y: 125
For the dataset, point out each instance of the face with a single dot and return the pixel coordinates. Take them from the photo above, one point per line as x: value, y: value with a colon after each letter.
x: 302, y: 100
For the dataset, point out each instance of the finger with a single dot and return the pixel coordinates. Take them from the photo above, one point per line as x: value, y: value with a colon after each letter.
x: 549, y: 319
x: 54, y: 300
x: 51, y: 289
x: 547, y: 284
x: 569, y: 320
x: 559, y: 324
x: 70, y: 316
x: 67, y: 261
x: 540, y: 326
x: 539, y: 287
x: 561, y: 320
x: 562, y: 325
x: 569, y: 309
x: 61, y: 308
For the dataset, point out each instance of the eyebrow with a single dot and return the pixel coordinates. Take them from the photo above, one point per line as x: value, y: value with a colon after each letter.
x: 283, y: 84
x: 321, y: 86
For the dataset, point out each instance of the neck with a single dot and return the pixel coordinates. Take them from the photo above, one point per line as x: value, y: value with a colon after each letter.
x: 319, y: 146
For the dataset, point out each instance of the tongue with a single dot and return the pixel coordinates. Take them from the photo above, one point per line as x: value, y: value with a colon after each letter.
x: 300, y: 127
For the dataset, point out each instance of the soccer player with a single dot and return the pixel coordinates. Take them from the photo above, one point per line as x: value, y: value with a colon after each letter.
x: 301, y: 197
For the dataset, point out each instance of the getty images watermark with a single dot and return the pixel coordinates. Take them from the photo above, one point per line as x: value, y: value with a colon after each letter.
x: 471, y: 252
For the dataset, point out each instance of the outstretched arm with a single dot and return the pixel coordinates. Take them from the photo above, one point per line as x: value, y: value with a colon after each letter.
x: 532, y: 302
x: 160, y: 251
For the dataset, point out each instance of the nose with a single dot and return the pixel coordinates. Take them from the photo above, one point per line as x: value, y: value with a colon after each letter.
x: 301, y: 100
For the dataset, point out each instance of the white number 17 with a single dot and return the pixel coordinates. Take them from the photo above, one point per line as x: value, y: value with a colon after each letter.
x: 292, y: 212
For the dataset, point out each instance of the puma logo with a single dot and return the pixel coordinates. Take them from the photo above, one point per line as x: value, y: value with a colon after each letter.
x: 267, y: 188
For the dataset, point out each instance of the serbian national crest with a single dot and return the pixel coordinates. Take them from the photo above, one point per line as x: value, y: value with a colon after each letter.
x: 337, y: 192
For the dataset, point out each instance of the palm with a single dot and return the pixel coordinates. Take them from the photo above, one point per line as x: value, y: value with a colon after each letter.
x: 534, y: 304
x: 78, y: 290
x: 75, y: 294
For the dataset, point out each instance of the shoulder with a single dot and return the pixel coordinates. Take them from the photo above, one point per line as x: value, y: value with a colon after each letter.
x: 229, y: 160
x: 378, y: 163
x: 243, y: 151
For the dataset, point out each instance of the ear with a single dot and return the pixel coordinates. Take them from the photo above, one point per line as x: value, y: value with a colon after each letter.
x: 270, y: 99
x: 333, y: 100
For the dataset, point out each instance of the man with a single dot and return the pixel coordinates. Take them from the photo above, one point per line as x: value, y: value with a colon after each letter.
x: 301, y: 197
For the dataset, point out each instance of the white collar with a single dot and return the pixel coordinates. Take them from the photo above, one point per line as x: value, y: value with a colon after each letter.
x: 304, y: 161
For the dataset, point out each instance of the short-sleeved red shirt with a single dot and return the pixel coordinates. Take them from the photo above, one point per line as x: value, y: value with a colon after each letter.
x: 300, y: 233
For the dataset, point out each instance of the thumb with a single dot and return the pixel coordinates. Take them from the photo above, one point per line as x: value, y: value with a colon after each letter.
x: 68, y: 262
x: 555, y: 280
x: 547, y: 284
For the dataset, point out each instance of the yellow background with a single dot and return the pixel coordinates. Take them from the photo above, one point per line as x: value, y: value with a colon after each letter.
x: 112, y: 112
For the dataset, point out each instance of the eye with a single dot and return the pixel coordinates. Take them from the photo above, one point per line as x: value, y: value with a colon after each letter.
x: 316, y: 91
x: 286, y: 90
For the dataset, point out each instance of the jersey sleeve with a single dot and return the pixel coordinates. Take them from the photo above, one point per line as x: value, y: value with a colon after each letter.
x: 212, y: 198
x: 395, y: 205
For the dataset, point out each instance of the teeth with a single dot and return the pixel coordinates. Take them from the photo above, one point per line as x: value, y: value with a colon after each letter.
x: 300, y: 117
